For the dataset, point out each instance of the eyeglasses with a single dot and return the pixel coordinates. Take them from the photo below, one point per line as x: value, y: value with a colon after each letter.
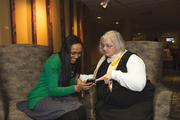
x: 76, y: 53
x: 106, y: 45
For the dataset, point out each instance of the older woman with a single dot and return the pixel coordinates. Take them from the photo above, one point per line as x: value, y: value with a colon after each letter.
x: 123, y: 92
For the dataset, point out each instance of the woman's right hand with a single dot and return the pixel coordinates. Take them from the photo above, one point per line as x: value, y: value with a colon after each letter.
x: 78, y: 87
x: 82, y: 87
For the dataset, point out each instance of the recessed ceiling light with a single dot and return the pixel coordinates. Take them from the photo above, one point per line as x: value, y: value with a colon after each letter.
x: 138, y: 33
x: 117, y: 23
x: 98, y: 17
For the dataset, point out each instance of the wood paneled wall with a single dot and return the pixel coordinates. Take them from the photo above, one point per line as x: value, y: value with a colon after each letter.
x: 31, y: 22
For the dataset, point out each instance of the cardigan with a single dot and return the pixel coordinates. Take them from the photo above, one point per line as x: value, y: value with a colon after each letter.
x: 48, y: 82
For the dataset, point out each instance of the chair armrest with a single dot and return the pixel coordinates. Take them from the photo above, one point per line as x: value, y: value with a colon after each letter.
x: 2, y: 110
x: 89, y: 102
x: 162, y: 103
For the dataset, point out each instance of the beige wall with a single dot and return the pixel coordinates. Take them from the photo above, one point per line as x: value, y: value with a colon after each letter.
x: 5, y: 27
x: 41, y: 22
x: 23, y: 21
x: 56, y: 25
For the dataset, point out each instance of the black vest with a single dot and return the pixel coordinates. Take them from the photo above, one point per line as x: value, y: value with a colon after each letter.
x: 121, y: 96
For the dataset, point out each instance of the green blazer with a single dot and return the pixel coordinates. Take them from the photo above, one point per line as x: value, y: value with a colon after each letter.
x: 48, y: 82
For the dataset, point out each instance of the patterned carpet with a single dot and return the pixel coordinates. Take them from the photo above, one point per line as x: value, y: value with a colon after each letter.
x: 175, y: 106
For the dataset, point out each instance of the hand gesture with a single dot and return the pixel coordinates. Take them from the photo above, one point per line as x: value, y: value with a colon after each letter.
x: 81, y: 86
x: 107, y: 78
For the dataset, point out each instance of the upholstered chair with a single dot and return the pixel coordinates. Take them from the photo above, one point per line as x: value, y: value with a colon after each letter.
x: 151, y: 53
x: 2, y: 111
x: 20, y: 67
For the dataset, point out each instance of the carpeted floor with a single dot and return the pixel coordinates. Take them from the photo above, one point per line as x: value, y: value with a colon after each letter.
x: 175, y: 106
x: 171, y: 79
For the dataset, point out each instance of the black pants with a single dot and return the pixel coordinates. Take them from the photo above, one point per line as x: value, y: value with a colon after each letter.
x: 140, y: 111
x: 79, y: 114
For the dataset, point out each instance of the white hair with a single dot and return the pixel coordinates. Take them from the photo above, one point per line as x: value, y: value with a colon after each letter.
x: 116, y: 38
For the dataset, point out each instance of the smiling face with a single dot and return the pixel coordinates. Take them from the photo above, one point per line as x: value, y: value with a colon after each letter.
x: 76, y: 51
x: 108, y: 47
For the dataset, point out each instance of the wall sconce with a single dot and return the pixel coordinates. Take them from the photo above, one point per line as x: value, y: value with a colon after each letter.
x: 104, y: 3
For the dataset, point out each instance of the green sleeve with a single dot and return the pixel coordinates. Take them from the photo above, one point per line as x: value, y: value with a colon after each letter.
x: 73, y: 81
x: 52, y: 70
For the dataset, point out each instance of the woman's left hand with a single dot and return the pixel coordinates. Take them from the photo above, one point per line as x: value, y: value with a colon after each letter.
x: 107, y: 78
x: 87, y: 86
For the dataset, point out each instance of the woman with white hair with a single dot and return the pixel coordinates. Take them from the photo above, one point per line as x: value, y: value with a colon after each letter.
x: 123, y: 92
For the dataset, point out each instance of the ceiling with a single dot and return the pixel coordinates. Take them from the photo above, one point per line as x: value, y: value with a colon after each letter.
x: 141, y: 14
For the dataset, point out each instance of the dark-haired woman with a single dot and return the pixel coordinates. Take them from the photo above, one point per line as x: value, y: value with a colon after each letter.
x: 51, y: 99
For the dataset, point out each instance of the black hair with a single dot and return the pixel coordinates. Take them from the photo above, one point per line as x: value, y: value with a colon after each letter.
x: 66, y: 66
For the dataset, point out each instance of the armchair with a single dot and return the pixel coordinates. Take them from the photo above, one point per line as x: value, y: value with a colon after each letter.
x: 151, y: 53
x: 20, y: 69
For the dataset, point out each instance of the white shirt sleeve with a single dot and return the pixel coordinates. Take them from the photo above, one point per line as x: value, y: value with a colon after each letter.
x: 84, y: 77
x: 135, y: 78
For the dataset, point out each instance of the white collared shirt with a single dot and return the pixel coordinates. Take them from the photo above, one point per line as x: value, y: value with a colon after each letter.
x: 135, y: 78
x: 109, y: 60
